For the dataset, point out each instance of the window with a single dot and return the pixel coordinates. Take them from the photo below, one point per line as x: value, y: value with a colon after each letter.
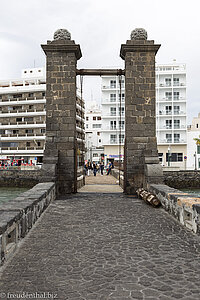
x: 95, y: 155
x: 98, y: 118
x: 86, y: 126
x: 160, y: 156
x: 168, y: 95
x: 113, y: 125
x: 29, y: 131
x: 176, y: 95
x: 123, y: 96
x: 174, y: 157
x: 113, y: 111
x: 176, y: 124
x: 168, y: 124
x: 28, y: 144
x: 30, y: 106
x: 99, y: 141
x: 2, y: 131
x: 121, y: 138
x: 18, y: 119
x: 168, y: 81
x: 30, y: 94
x: 39, y: 144
x: 198, y: 149
x: 98, y: 133
x: 121, y: 124
x: 17, y: 96
x: 15, y: 131
x: 122, y: 83
x: 8, y: 145
x: 176, y: 109
x: 28, y: 119
x: 94, y: 118
x: 112, y: 97
x: 197, y: 125
x: 168, y: 137
x: 43, y: 130
x: 113, y: 138
x: 43, y: 94
x: 96, y: 125
x: 87, y: 118
x: 121, y: 111
x: 176, y: 137
x: 176, y: 81
x: 113, y: 83
x: 168, y: 110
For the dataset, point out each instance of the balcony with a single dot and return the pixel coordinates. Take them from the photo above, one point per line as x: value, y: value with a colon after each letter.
x: 109, y: 101
x: 114, y: 128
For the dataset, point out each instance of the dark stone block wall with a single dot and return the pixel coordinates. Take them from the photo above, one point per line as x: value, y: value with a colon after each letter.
x: 141, y: 157
x: 186, y: 179
x: 62, y: 58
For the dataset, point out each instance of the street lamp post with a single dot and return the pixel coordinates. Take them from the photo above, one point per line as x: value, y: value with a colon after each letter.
x: 195, y: 160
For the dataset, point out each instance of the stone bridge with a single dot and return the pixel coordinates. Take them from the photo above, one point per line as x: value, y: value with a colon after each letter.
x: 108, y: 246
x: 99, y: 243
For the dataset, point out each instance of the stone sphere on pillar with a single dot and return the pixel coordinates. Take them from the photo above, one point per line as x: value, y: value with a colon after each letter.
x: 62, y: 34
x: 139, y: 34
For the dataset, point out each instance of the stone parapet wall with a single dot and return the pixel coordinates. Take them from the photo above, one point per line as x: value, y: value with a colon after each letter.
x: 19, y: 215
x: 115, y: 173
x: 19, y: 178
x: 184, y: 207
x: 182, y: 179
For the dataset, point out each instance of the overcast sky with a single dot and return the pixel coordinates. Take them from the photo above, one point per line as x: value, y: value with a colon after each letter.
x: 100, y: 27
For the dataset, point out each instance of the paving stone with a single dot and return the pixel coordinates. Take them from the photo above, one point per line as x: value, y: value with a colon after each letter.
x: 106, y: 247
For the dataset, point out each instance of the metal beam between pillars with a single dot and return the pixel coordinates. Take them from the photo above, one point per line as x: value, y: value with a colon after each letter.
x: 100, y: 72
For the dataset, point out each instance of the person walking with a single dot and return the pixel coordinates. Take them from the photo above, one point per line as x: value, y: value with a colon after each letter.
x: 101, y: 168
x: 94, y: 169
x: 109, y: 168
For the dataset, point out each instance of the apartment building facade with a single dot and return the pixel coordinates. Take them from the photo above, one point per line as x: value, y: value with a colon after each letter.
x: 23, y: 118
x: 171, y: 128
x: 171, y: 121
x: 113, y: 118
x: 93, y: 135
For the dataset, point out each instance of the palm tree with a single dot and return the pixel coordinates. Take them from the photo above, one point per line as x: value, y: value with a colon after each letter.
x: 197, y: 141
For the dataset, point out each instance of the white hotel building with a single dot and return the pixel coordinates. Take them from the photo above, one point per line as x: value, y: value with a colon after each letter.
x: 23, y: 118
x: 170, y: 115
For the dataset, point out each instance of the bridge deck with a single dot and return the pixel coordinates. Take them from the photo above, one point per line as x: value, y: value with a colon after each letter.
x: 108, y: 247
x: 101, y: 184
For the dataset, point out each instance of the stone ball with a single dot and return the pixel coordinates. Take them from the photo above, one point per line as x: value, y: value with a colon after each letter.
x: 139, y: 34
x: 62, y: 34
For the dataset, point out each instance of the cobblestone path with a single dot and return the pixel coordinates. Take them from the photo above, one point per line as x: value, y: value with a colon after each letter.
x: 108, y: 247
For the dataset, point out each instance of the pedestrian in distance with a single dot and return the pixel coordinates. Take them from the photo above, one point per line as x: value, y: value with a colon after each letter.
x: 101, y: 168
x: 94, y: 169
x: 109, y: 168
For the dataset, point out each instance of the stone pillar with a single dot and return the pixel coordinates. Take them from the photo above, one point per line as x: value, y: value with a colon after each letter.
x: 141, y: 157
x: 61, y: 59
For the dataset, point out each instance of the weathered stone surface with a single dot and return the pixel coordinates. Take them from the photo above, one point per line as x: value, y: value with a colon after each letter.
x: 18, y: 216
x: 62, y: 55
x: 183, y: 206
x: 19, y: 178
x: 139, y: 34
x: 182, y: 179
x: 106, y: 247
x: 141, y: 146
